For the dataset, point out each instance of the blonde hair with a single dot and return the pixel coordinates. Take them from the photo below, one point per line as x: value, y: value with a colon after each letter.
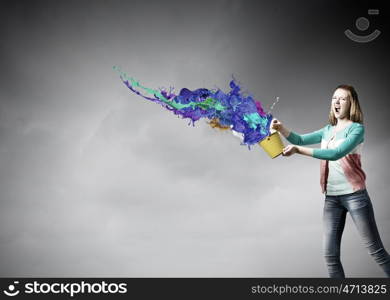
x: 355, y: 112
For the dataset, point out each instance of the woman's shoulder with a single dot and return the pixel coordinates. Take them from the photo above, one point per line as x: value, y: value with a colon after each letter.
x: 353, y: 127
x: 356, y: 126
x: 327, y: 131
x: 327, y: 128
x: 356, y: 129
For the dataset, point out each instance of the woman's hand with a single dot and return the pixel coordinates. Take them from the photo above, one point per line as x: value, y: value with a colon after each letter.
x: 290, y: 150
x: 276, y: 125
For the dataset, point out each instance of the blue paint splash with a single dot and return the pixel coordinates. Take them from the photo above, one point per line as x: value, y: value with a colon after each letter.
x: 232, y: 110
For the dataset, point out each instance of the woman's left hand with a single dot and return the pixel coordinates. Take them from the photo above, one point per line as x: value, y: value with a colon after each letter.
x: 290, y: 150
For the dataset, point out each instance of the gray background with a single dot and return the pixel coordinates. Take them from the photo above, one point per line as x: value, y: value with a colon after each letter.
x: 95, y: 181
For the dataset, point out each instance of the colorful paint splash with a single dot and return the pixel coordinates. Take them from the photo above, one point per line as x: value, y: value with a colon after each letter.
x: 233, y: 110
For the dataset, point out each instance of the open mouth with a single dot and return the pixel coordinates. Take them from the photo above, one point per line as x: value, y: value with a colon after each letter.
x: 337, y: 109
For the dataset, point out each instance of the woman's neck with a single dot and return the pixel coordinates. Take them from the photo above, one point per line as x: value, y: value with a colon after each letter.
x: 341, y: 123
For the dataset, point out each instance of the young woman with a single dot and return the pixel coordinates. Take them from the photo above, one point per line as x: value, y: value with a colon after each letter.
x: 342, y: 177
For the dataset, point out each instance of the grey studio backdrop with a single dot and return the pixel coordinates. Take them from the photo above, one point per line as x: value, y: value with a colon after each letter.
x: 96, y: 181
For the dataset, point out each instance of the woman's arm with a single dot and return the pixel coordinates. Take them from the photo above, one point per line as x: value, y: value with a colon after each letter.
x: 296, y: 139
x: 354, y: 138
x: 292, y: 149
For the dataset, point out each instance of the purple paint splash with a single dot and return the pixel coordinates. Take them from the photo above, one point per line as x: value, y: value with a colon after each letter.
x: 232, y: 110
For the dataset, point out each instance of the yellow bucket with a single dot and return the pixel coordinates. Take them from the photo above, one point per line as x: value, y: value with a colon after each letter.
x: 272, y: 144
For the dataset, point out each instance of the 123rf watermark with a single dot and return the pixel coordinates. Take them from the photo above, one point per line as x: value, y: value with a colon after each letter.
x: 69, y: 288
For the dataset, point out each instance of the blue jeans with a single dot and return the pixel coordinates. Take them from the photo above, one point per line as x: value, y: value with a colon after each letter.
x: 359, y: 205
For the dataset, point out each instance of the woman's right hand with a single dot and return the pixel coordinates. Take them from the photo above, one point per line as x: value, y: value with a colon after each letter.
x: 276, y: 125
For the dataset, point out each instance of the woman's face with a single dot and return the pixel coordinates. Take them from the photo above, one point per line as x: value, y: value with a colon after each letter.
x: 341, y: 103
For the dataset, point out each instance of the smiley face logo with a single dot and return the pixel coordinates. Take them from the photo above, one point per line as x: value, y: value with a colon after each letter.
x: 12, y: 291
x: 362, y: 24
